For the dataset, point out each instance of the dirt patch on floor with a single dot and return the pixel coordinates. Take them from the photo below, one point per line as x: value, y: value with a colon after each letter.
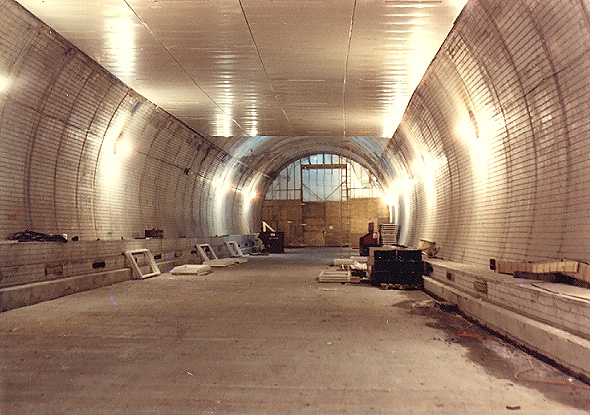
x: 500, y: 357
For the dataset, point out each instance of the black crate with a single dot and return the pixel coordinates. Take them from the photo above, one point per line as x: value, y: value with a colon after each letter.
x: 405, y: 273
x: 385, y: 255
x: 393, y: 278
x: 386, y: 266
x: 409, y: 255
x: 154, y: 233
x: 274, y: 242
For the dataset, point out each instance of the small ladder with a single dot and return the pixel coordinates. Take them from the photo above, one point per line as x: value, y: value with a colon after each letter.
x: 345, y: 202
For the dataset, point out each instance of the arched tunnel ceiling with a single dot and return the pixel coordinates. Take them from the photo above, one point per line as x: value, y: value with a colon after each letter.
x: 272, y: 154
x: 263, y: 67
x: 490, y: 158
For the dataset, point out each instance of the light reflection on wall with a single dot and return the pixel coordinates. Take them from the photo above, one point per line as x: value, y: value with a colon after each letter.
x: 393, y: 113
x: 4, y: 83
x: 110, y: 159
x: 221, y: 188
x: 397, y: 190
x: 468, y: 133
x: 249, y: 197
x: 232, y: 200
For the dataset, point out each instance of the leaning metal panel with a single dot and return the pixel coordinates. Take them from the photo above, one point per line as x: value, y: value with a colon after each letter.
x: 133, y: 262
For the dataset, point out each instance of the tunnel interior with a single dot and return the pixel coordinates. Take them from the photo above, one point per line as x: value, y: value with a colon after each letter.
x: 490, y: 157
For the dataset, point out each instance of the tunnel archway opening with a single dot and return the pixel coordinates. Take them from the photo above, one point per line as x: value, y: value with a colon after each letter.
x: 325, y: 199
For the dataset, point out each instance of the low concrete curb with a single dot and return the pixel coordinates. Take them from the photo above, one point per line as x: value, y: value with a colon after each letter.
x: 566, y: 349
x: 28, y: 294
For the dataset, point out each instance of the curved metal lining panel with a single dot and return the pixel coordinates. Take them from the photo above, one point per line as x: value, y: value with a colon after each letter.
x: 85, y: 155
x: 503, y: 107
x: 490, y: 160
x: 271, y: 154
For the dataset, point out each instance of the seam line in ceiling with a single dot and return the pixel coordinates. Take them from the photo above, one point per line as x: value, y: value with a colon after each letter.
x: 263, y: 66
x: 193, y: 80
x: 346, y: 69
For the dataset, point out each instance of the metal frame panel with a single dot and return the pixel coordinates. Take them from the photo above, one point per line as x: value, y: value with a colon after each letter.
x: 151, y: 261
x: 202, y: 251
x: 234, y: 249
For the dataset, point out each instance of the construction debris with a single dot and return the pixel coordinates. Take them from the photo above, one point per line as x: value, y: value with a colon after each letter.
x: 343, y: 262
x: 133, y: 256
x: 351, y: 263
x: 191, y: 269
x: 330, y: 275
x: 575, y: 269
x: 235, y: 252
x: 429, y: 248
x: 210, y: 257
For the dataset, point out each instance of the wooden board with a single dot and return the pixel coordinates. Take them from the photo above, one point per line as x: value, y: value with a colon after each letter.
x: 574, y: 269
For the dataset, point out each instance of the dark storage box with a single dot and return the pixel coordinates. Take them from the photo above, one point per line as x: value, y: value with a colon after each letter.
x: 396, y: 266
x: 385, y: 255
x: 381, y: 277
x: 154, y: 233
x: 399, y: 267
x: 409, y: 255
x: 274, y: 242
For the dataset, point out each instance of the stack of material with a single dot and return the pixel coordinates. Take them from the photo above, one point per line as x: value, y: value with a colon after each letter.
x: 361, y: 259
x: 343, y: 262
x: 539, y: 267
x: 191, y: 269
x: 353, y: 263
x: 331, y: 275
x: 389, y: 265
x: 571, y: 268
x: 388, y: 233
x: 428, y: 247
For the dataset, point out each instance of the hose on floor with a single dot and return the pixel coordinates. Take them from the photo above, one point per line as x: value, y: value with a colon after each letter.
x: 518, y: 375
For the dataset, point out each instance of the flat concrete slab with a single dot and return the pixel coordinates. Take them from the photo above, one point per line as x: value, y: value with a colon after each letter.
x: 264, y: 338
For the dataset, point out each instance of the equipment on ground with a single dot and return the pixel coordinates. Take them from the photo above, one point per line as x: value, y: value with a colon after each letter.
x: 395, y: 265
x: 368, y: 240
x: 274, y: 242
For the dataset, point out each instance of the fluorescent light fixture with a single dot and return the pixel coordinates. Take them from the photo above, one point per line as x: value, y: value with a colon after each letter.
x: 120, y: 33
x: 224, y: 125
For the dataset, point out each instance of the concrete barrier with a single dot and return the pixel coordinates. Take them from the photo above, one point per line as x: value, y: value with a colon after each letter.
x: 547, y: 321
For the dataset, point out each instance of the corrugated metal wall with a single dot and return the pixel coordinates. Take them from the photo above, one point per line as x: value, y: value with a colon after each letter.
x: 62, y: 119
x: 491, y: 158
x: 498, y: 130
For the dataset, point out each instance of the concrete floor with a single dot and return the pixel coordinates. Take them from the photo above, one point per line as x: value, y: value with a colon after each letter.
x: 263, y: 338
